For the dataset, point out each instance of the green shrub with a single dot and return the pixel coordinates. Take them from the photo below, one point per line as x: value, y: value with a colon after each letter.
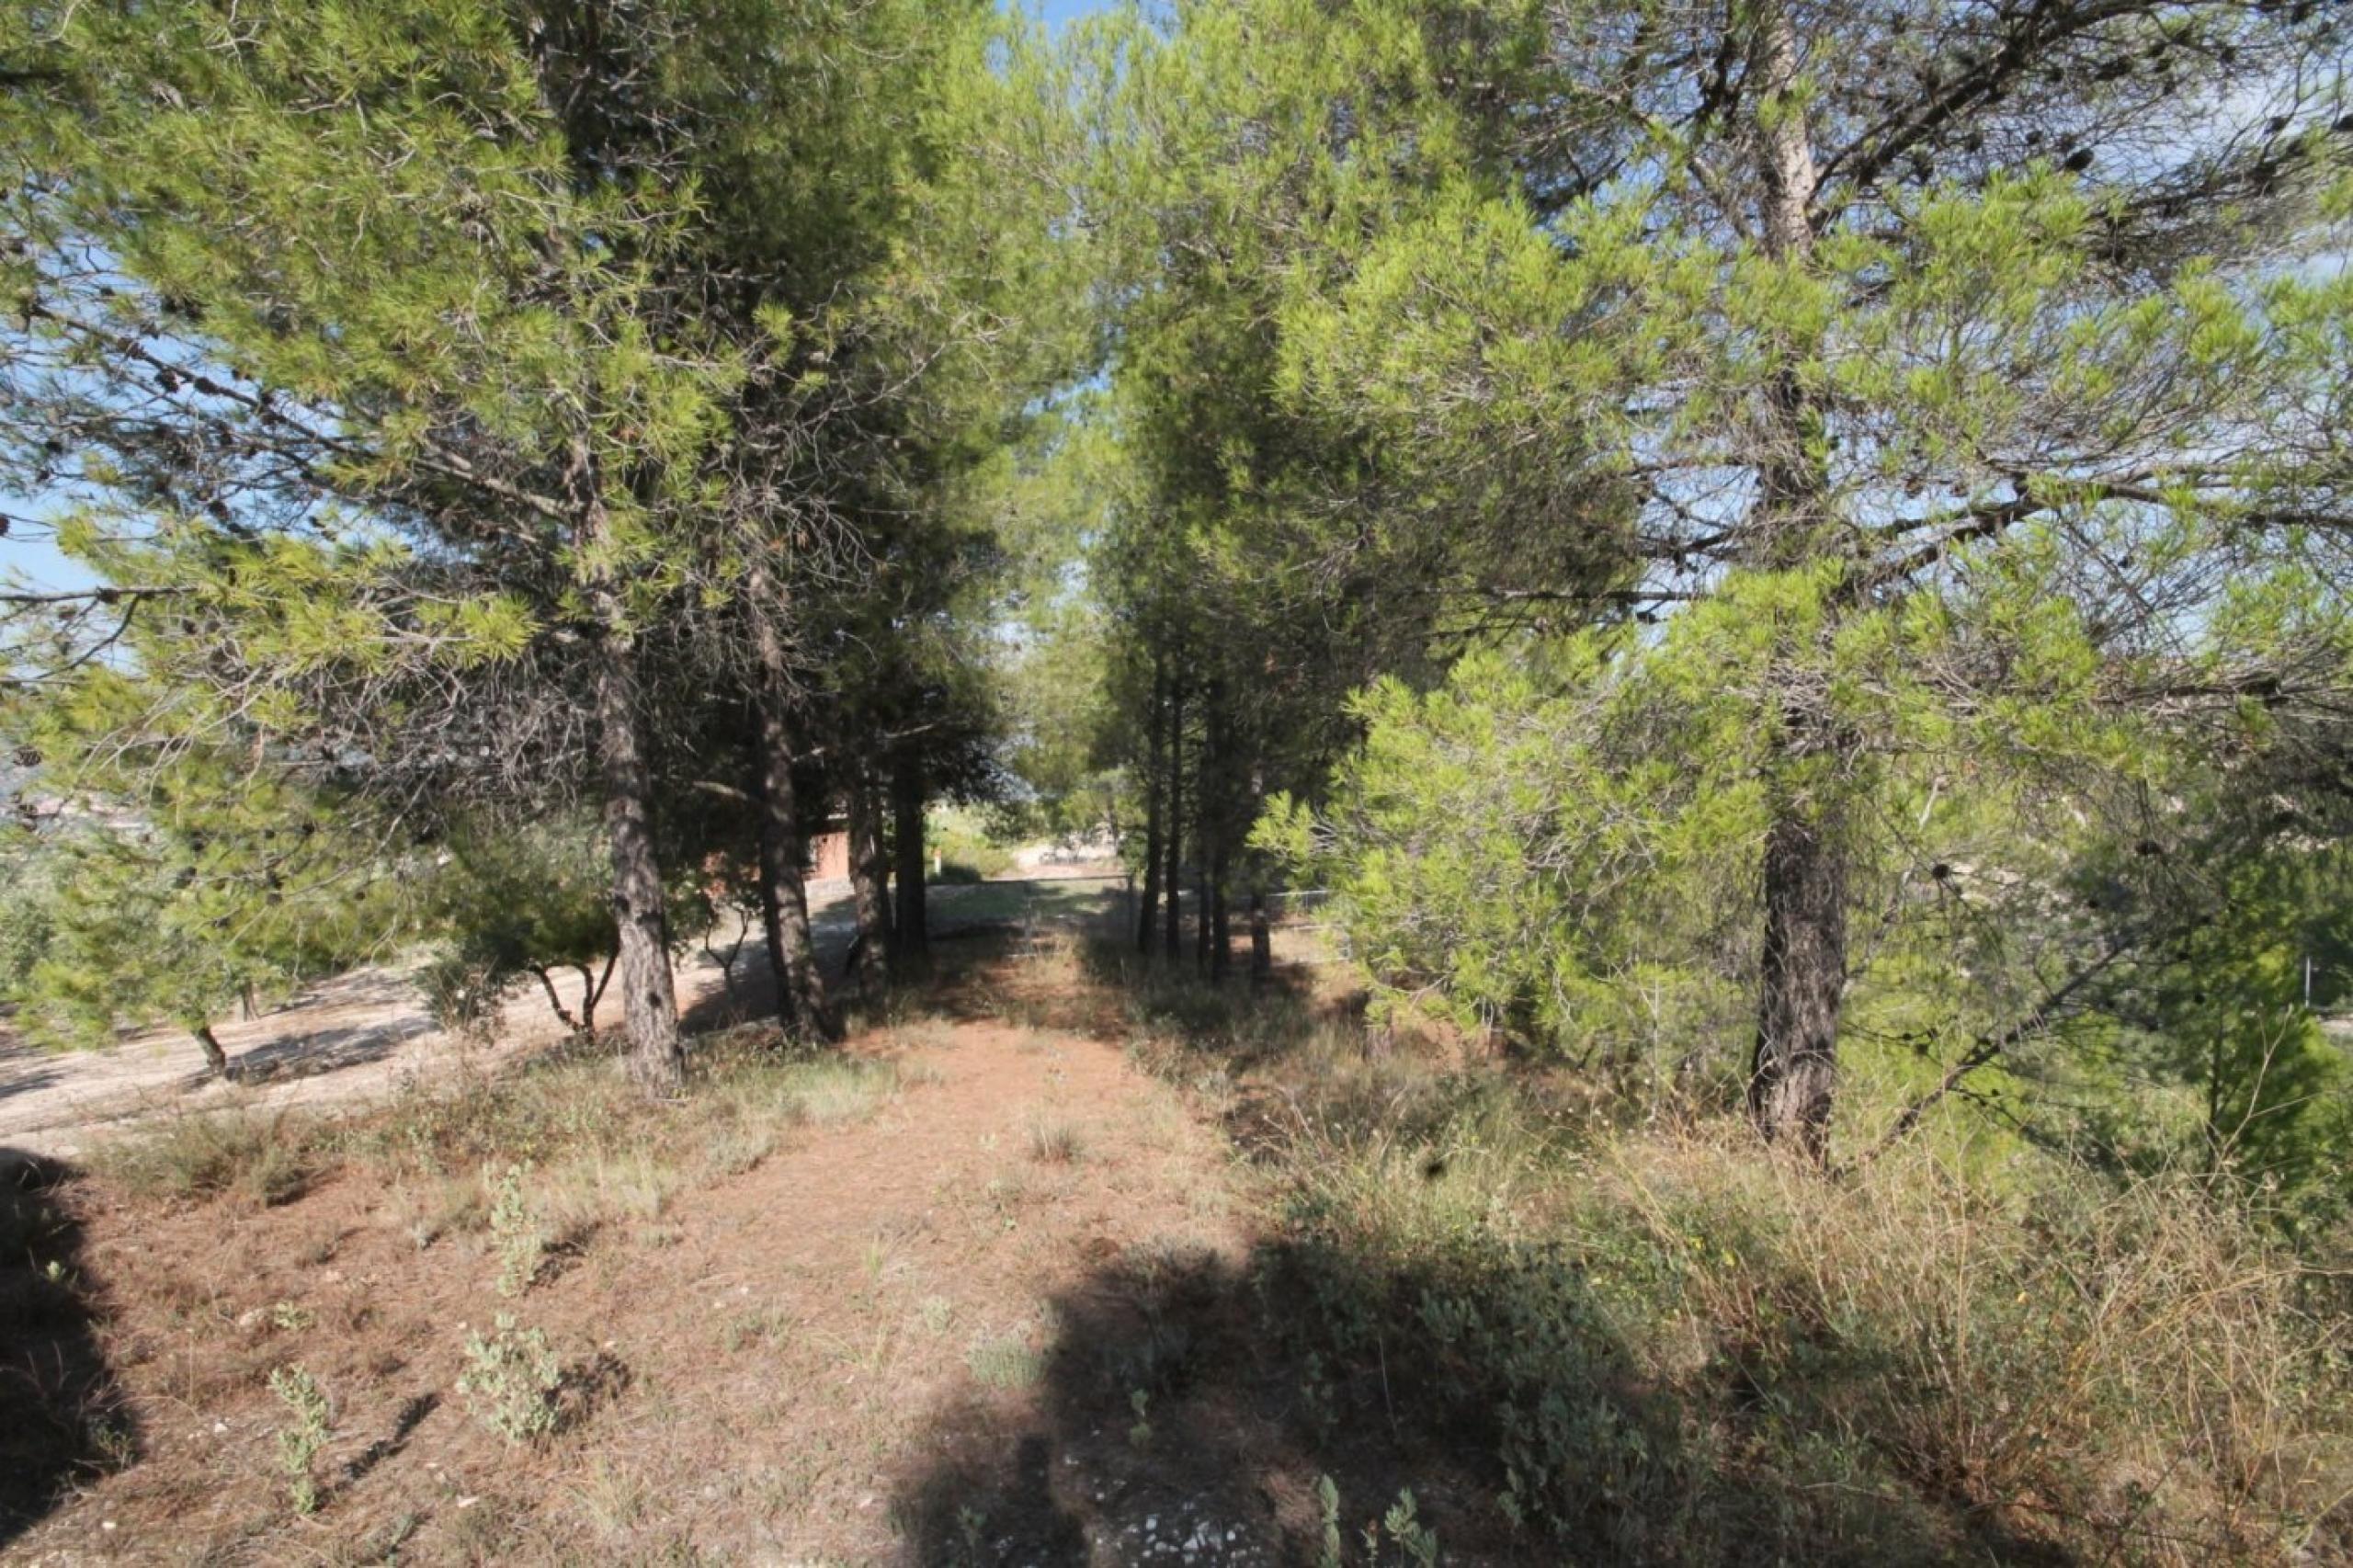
x: 968, y: 851
x: 510, y: 1381
x: 309, y: 1425
x: 515, y: 1231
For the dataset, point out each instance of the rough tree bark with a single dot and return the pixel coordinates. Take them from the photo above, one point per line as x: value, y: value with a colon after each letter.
x: 1221, y: 921
x: 1174, y: 879
x: 216, y: 1060
x: 784, y: 896
x: 1151, y: 831
x: 1201, y: 903
x: 912, y: 934
x: 1212, y: 953
x: 870, y: 885
x: 649, y: 1001
x: 1802, y: 970
x: 1262, y: 939
x: 563, y: 1014
x: 1803, y: 978
x: 641, y: 919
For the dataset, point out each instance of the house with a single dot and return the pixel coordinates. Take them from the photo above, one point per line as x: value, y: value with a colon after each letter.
x: 827, y: 855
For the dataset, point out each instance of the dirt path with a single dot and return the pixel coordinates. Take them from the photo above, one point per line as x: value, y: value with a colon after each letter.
x: 925, y: 1337
x: 359, y: 1036
x: 354, y: 1038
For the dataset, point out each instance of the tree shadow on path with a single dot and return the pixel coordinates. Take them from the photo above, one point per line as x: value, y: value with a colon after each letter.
x: 1188, y: 1408
x: 63, y: 1413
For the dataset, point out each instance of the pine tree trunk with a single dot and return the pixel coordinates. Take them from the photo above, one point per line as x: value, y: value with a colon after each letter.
x: 649, y: 1001
x: 1804, y: 980
x: 1202, y: 911
x: 1262, y: 940
x: 1209, y: 840
x: 914, y: 934
x: 870, y: 885
x: 784, y: 896
x: 1221, y: 936
x: 216, y: 1059
x: 1152, y: 833
x: 649, y: 998
x: 563, y: 1014
x: 1802, y: 964
x: 1173, y: 880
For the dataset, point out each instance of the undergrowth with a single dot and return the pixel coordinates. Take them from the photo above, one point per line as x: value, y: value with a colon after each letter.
x: 1669, y: 1344
x: 594, y: 1149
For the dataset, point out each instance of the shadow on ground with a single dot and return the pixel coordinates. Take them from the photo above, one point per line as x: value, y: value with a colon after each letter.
x: 63, y: 1415
x: 1187, y: 1411
x: 321, y: 1050
x: 1189, y: 1408
x: 22, y: 1070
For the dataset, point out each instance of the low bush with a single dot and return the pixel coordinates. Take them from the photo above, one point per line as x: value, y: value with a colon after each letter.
x: 968, y: 853
x: 510, y: 1381
x: 309, y: 1425
x: 256, y: 1158
x: 1679, y: 1346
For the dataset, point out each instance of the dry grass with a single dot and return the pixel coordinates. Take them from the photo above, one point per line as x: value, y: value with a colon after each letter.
x: 1674, y: 1346
x: 1053, y: 1141
x: 2121, y: 1372
x: 256, y: 1157
x: 1647, y: 1345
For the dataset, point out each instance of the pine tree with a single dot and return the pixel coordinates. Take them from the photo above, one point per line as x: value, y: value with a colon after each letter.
x: 1946, y: 423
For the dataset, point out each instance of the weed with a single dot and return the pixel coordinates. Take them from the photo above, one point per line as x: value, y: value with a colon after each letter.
x: 762, y: 1326
x: 514, y: 1231
x: 636, y: 1184
x: 835, y: 1092
x: 935, y: 1313
x: 261, y: 1160
x: 1140, y: 1434
x: 736, y: 1150
x: 1401, y: 1527
x: 1416, y: 1543
x: 510, y: 1381
x: 1055, y: 1142
x: 309, y: 1425
x: 114, y: 1443
x: 1327, y: 1505
x: 1005, y: 1361
x: 435, y: 1206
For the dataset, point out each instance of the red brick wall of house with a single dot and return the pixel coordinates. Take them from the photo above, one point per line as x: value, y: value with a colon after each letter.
x: 829, y: 854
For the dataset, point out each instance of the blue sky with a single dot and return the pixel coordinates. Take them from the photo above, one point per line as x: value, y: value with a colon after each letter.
x: 1057, y: 12
x: 26, y: 552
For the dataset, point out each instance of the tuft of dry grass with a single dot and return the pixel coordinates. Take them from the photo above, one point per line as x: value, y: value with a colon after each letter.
x: 1902, y: 1356
x: 1006, y: 1361
x: 1053, y: 1141
x: 256, y: 1158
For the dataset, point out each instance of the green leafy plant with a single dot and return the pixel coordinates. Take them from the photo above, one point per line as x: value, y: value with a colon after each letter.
x: 309, y: 1425
x: 1327, y: 1504
x: 1415, y: 1541
x: 515, y: 1233
x: 510, y: 1381
x: 1140, y: 1434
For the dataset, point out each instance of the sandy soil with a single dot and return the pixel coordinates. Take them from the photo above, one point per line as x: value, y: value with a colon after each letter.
x: 353, y: 1039
x: 916, y: 1338
x: 350, y: 1040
